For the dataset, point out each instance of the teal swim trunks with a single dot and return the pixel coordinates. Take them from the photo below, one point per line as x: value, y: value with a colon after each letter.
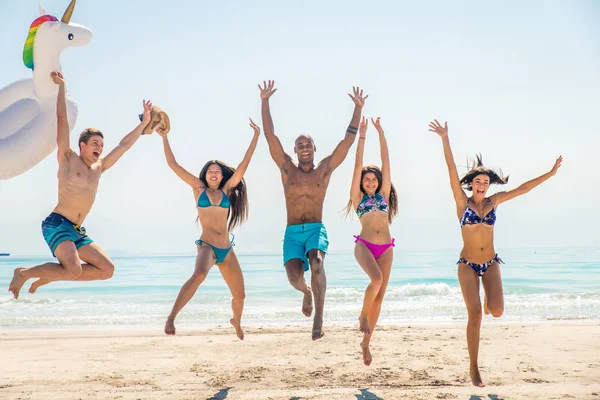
x: 57, y: 229
x: 300, y: 239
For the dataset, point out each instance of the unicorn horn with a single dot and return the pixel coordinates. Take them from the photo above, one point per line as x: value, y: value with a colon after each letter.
x: 42, y: 11
x: 68, y: 12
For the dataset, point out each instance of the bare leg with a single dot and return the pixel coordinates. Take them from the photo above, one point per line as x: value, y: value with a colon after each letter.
x: 295, y: 274
x: 204, y: 261
x: 98, y: 266
x: 232, y: 274
x: 385, y: 266
x: 486, y: 310
x: 319, y: 285
x: 469, y: 285
x: 492, y: 286
x: 69, y: 268
x: 365, y: 259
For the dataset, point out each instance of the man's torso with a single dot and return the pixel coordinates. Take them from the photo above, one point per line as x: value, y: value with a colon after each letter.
x: 304, y: 193
x: 77, y: 187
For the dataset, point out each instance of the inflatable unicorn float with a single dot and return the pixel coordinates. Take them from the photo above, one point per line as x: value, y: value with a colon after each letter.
x: 28, y: 106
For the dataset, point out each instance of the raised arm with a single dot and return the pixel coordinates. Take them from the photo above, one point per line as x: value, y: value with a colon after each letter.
x: 62, y: 131
x: 128, y: 141
x: 341, y: 150
x: 355, y: 194
x: 181, y: 172
x: 275, y: 147
x: 459, y: 195
x: 386, y: 184
x: 241, y: 169
x: 501, y: 197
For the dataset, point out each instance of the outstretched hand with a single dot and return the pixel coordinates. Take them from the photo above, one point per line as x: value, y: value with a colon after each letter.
x: 268, y: 90
x: 438, y: 128
x: 161, y: 132
x: 358, y: 98
x: 57, y: 78
x: 255, y: 127
x: 556, y: 165
x: 377, y: 125
x: 362, y: 128
x: 147, y: 116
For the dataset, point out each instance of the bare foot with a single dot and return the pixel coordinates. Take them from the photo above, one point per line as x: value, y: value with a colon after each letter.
x: 36, y: 285
x: 238, y: 329
x: 307, y: 304
x: 17, y: 282
x: 486, y: 310
x: 317, y: 331
x: 366, y: 352
x: 364, y: 325
x: 170, y: 326
x: 475, y: 377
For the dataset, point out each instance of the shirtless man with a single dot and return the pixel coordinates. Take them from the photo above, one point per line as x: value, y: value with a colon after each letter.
x: 304, y: 184
x: 78, y: 177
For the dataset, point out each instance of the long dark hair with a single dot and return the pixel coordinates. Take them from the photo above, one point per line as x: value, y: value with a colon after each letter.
x: 238, y: 212
x: 393, y: 202
x: 477, y: 168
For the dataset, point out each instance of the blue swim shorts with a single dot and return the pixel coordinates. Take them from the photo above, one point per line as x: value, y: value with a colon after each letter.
x: 57, y: 229
x: 300, y: 239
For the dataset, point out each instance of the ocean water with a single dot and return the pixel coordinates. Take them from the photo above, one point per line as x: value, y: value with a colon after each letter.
x: 539, y: 285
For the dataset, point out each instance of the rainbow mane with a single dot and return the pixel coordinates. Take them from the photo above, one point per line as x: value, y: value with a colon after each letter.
x: 28, y: 49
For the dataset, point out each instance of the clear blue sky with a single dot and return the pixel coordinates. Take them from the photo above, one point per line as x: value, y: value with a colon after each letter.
x: 517, y: 81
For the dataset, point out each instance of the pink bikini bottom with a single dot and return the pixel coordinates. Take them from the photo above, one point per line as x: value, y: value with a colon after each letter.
x: 376, y: 249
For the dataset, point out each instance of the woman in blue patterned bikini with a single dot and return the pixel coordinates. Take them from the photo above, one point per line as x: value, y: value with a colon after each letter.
x: 478, y: 258
x: 220, y: 193
x: 374, y: 199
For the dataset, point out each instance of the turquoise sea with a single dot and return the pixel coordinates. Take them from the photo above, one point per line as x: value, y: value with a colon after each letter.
x: 539, y: 284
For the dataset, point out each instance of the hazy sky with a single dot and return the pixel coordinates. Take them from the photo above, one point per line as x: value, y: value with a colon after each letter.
x: 516, y: 81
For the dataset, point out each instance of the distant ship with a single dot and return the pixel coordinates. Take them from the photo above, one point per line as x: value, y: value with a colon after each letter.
x: 4, y: 254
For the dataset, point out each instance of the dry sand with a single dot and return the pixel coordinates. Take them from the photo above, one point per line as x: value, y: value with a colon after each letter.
x: 556, y: 360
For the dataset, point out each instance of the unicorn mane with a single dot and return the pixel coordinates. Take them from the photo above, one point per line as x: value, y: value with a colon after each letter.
x: 28, y: 48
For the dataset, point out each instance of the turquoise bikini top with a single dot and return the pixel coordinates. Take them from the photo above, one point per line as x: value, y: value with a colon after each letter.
x: 204, y: 201
x: 372, y: 203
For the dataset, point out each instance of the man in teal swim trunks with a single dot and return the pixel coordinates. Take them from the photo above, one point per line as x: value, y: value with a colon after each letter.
x: 304, y: 184
x: 79, y: 257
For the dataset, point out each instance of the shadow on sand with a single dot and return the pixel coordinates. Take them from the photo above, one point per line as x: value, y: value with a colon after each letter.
x: 220, y: 395
x: 489, y: 397
x: 366, y: 395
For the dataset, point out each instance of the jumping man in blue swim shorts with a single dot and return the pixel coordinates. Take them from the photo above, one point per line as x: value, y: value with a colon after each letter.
x: 304, y: 184
x: 78, y: 177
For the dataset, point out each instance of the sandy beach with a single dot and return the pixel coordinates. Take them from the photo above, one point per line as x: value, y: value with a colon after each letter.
x: 555, y: 360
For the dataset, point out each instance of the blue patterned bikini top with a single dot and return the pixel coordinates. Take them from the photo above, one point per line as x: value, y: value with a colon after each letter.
x: 372, y: 203
x: 470, y: 217
x: 204, y: 201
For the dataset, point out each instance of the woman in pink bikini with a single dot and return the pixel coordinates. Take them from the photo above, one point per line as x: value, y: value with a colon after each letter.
x: 374, y: 199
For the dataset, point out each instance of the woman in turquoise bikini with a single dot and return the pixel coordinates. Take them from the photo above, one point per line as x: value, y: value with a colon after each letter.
x: 220, y: 193
x: 375, y: 201
x: 477, y: 216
